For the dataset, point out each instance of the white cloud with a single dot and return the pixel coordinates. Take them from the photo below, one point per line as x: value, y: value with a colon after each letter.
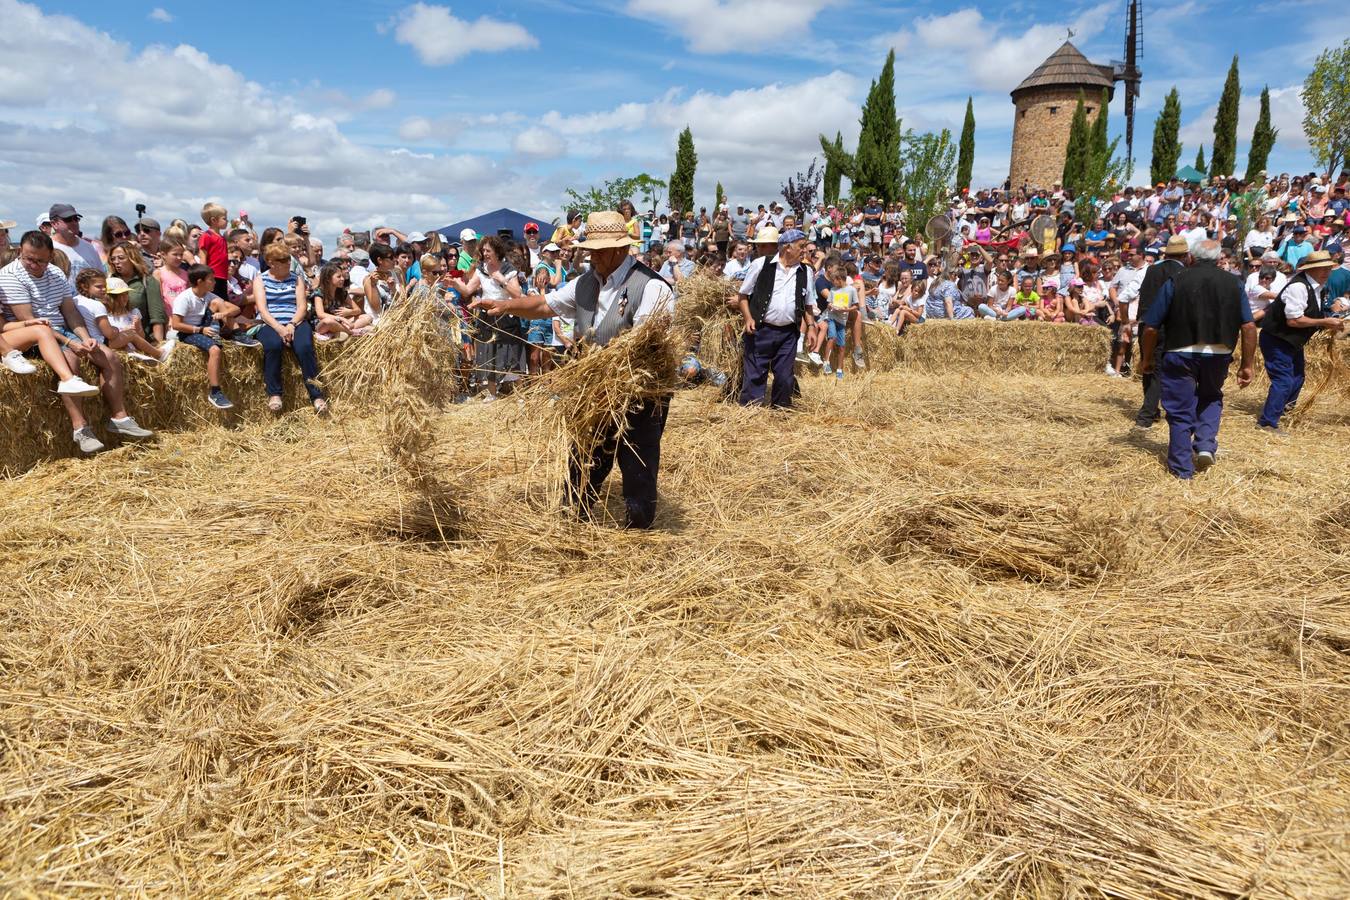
x: 539, y: 143
x: 380, y: 98
x: 723, y: 26
x: 439, y: 38
x: 160, y: 14
x: 1286, y: 114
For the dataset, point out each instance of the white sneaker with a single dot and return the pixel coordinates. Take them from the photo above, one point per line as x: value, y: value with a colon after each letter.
x: 148, y: 360
x: 1111, y: 371
x: 815, y: 358
x: 14, y: 361
x: 85, y: 440
x: 75, y: 386
x: 166, y: 349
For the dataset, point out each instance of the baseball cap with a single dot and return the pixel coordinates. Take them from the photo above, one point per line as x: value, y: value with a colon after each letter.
x: 416, y: 237
x: 43, y: 219
x: 115, y: 285
x: 552, y: 247
x: 468, y: 234
x: 63, y: 211
x: 1333, y: 248
x: 148, y: 225
x: 531, y: 227
x: 1068, y: 248
x: 1300, y: 227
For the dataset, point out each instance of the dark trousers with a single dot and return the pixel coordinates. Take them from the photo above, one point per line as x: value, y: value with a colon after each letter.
x: 302, y: 347
x: 1148, y: 411
x: 770, y: 348
x: 1284, y: 365
x: 638, y: 450
x: 1192, y: 394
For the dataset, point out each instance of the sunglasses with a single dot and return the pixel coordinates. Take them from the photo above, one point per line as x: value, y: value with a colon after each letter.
x: 121, y: 235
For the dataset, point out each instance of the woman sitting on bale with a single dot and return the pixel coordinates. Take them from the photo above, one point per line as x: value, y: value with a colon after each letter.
x: 284, y: 308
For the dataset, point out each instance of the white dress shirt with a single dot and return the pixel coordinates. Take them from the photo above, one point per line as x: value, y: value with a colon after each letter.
x: 1296, y: 298
x: 656, y: 297
x: 783, y: 302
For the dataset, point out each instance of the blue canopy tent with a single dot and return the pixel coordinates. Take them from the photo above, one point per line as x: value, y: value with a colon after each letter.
x: 498, y: 220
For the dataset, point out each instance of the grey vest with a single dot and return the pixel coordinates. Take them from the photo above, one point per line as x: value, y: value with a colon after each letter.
x: 620, y: 315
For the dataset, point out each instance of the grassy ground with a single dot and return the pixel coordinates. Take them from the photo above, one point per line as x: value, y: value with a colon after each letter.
x: 955, y: 634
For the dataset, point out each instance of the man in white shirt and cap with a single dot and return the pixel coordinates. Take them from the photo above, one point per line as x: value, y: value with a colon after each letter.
x: 617, y: 293
x: 774, y: 298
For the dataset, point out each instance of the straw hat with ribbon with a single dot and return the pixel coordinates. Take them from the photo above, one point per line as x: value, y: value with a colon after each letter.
x: 604, y: 230
x: 1176, y: 246
x: 1318, y: 259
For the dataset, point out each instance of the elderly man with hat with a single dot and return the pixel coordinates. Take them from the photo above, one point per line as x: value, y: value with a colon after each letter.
x: 1290, y: 322
x: 774, y: 300
x: 615, y: 294
x: 1197, y: 317
x: 1155, y: 276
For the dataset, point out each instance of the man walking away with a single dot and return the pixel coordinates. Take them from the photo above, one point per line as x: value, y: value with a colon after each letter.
x: 1157, y: 275
x: 1201, y: 313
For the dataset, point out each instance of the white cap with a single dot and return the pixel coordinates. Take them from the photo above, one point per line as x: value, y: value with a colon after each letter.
x: 416, y: 237
x: 468, y: 234
x: 43, y: 219
x: 551, y: 247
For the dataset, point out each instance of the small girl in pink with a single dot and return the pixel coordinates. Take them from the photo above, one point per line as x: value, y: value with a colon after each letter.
x: 171, y: 275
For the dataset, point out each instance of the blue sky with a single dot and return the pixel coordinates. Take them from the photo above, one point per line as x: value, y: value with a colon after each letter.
x: 417, y: 114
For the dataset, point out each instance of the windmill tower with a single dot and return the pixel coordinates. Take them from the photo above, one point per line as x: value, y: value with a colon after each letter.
x: 1045, y: 101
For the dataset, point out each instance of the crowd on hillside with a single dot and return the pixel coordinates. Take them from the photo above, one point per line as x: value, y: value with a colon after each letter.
x: 133, y: 293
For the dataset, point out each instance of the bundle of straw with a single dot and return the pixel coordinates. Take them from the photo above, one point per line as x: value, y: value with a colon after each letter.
x: 580, y: 403
x: 1335, y: 374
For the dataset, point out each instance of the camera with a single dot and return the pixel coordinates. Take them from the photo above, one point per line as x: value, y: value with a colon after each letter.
x: 299, y: 220
x: 140, y: 210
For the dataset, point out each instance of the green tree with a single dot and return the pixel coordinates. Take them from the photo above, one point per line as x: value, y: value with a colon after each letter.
x: 721, y: 197
x: 682, y: 179
x: 611, y: 193
x: 966, y: 156
x: 877, y: 160
x: 1223, y: 155
x: 1263, y: 139
x: 1166, y: 145
x: 1076, y: 151
x: 927, y: 169
x: 834, y: 173
x: 1200, y: 159
x: 1326, y: 105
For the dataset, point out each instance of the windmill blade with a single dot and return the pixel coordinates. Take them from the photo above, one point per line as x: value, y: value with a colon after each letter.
x: 1134, y: 49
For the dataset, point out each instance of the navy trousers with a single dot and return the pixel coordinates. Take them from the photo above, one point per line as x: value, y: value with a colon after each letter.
x: 1192, y: 394
x: 1148, y: 412
x: 302, y: 348
x: 1284, y: 365
x: 638, y: 450
x: 772, y: 348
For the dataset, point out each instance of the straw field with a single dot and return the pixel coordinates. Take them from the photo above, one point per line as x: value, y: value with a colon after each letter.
x: 936, y: 633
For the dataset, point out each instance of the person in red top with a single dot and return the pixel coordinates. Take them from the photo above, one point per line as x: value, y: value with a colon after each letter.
x: 212, y: 248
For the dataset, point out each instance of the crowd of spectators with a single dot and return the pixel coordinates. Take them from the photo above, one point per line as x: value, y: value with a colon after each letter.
x: 132, y: 293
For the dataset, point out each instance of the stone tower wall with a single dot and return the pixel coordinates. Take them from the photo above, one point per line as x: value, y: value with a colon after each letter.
x: 1041, y: 133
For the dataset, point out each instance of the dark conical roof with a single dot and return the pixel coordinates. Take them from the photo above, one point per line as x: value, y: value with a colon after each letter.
x: 1067, y: 67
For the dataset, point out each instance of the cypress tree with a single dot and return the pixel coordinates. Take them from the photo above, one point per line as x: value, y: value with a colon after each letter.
x: 1263, y: 139
x: 834, y: 175
x: 682, y: 179
x: 1098, y: 146
x: 1223, y: 156
x: 1075, y: 153
x: 966, y: 161
x: 1200, y: 159
x: 878, y: 156
x: 721, y: 197
x: 1166, y: 145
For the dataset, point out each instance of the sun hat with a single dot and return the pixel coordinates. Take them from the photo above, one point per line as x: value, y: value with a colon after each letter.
x: 416, y: 237
x: 766, y: 235
x: 468, y: 234
x: 1318, y: 259
x: 115, y: 285
x: 1176, y: 246
x: 605, y: 230
x: 1068, y: 248
x: 7, y: 224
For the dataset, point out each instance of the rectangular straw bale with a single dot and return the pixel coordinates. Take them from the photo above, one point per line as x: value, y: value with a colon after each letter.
x: 1015, y: 348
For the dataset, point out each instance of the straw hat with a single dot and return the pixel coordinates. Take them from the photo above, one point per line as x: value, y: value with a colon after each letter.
x: 7, y: 224
x: 766, y: 235
x: 1176, y: 246
x: 1318, y: 259
x: 604, y: 230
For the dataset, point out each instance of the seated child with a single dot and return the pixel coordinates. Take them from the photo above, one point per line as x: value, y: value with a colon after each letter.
x: 198, y: 316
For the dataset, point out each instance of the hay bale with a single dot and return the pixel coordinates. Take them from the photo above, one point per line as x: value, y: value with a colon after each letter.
x: 1013, y: 348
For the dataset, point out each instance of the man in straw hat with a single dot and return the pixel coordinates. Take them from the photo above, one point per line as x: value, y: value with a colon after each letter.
x: 615, y: 294
x: 1201, y: 313
x: 774, y: 301
x: 1157, y: 275
x: 1290, y: 321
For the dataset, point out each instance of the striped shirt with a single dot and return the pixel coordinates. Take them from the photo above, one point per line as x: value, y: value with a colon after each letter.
x: 44, y: 294
x: 280, y: 296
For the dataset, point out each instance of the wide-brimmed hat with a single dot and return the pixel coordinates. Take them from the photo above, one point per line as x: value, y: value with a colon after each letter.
x: 766, y: 235
x: 1176, y: 246
x: 1318, y: 259
x: 7, y: 224
x: 604, y: 230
